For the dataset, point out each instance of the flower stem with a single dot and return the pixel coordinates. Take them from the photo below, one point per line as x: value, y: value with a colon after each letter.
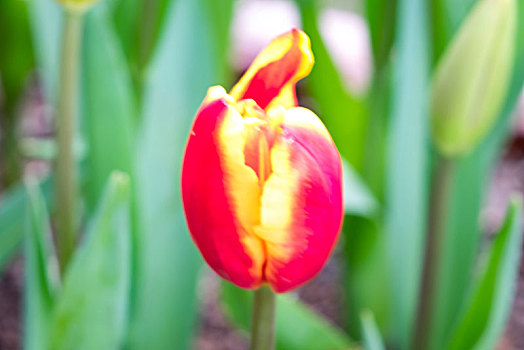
x: 66, y: 177
x: 263, y: 320
x: 440, y: 193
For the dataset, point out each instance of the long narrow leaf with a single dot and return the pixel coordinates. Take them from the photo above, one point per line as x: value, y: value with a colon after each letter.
x: 168, y: 263
x: 13, y: 204
x: 381, y: 15
x: 358, y: 199
x: 40, y: 271
x: 486, y: 315
x: 407, y: 166
x: 372, y: 338
x: 109, y: 106
x: 16, y: 54
x: 91, y: 312
x: 46, y: 23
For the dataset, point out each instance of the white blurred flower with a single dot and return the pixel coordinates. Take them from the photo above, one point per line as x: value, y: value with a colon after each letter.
x: 256, y: 23
x: 347, y: 38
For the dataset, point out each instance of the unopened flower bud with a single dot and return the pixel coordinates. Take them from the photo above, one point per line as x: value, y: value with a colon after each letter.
x: 472, y: 77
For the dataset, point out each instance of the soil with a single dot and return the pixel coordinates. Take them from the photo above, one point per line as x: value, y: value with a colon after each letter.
x: 10, y: 307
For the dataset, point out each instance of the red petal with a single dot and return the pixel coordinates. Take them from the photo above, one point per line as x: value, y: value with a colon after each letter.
x: 210, y: 206
x: 310, y: 186
x: 276, y: 70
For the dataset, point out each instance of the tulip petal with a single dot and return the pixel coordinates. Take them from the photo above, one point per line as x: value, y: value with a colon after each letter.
x: 221, y: 194
x: 275, y: 71
x: 301, y: 204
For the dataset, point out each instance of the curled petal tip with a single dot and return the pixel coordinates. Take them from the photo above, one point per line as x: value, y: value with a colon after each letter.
x: 276, y: 70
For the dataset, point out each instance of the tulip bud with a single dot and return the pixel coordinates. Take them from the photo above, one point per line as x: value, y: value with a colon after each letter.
x: 472, y: 77
x: 261, y: 177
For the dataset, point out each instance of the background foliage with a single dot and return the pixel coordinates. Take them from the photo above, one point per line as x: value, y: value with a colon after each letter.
x: 134, y: 280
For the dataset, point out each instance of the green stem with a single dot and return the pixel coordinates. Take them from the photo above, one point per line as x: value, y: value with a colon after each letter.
x: 440, y: 193
x: 66, y: 177
x: 263, y: 320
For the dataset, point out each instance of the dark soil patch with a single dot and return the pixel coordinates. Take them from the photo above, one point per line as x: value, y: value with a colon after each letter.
x: 10, y: 307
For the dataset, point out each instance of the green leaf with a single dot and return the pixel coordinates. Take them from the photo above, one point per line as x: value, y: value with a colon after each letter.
x: 220, y: 16
x: 371, y: 334
x: 463, y: 232
x: 109, y: 106
x: 297, y: 327
x: 358, y: 199
x: 484, y: 318
x: 343, y: 114
x: 13, y: 204
x: 381, y: 16
x: 455, y: 12
x: 92, y: 310
x: 366, y: 272
x: 125, y: 17
x: 41, y: 275
x: 439, y: 28
x: 46, y: 24
x: 168, y: 262
x: 12, y: 209
x: 16, y: 54
x: 407, y: 167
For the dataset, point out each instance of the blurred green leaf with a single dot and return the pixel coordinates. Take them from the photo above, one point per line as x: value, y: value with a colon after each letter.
x: 344, y: 115
x: 149, y: 27
x: 439, y: 28
x: 297, y: 327
x: 381, y: 16
x: 168, y: 263
x: 125, y: 16
x: 41, y: 273
x: 455, y: 12
x: 461, y: 243
x: 371, y: 334
x: 16, y: 53
x: 366, y: 274
x: 220, y: 16
x: 140, y: 25
x: 91, y: 312
x: 109, y: 106
x: 46, y: 24
x: 13, y: 204
x: 358, y: 199
x: 407, y: 167
x: 12, y: 208
x: 485, y: 316
x: 382, y: 21
x: 16, y: 62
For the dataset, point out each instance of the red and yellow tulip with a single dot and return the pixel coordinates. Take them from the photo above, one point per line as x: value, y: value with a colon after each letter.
x: 261, y: 178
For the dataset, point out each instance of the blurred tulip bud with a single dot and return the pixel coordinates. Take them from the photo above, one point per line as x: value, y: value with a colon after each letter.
x: 472, y: 77
x: 262, y: 178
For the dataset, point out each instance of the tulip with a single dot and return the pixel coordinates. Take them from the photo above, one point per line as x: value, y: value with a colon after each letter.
x: 261, y: 177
